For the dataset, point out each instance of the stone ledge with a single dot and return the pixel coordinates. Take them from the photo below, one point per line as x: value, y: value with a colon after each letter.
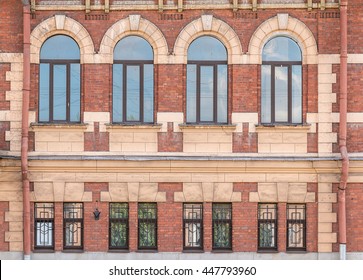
x: 58, y: 126
x: 141, y: 126
x: 282, y: 127
x: 221, y: 127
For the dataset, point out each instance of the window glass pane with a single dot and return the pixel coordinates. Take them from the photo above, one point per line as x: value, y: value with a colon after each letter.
x: 221, y: 232
x: 44, y: 234
x: 281, y: 49
x: 281, y: 94
x: 60, y: 47
x: 117, y: 92
x: 118, y: 234
x: 222, y: 94
x: 133, y: 48
x: 266, y: 94
x: 119, y: 211
x: 147, y: 211
x: 44, y: 92
x: 133, y: 93
x: 73, y: 234
x: 59, y: 92
x: 148, y: 93
x: 207, y: 48
x: 193, y: 234
x: 296, y: 94
x: 191, y: 93
x: 267, y: 222
x: 147, y: 234
x: 75, y: 97
x: 206, y: 93
x: 296, y: 226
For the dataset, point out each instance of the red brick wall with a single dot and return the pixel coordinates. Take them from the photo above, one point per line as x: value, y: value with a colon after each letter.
x: 96, y: 141
x: 354, y: 200
x: 354, y: 137
x: 34, y: 87
x: 11, y: 14
x: 4, y: 226
x: 170, y: 219
x: 96, y: 231
x: 245, y: 142
x: 4, y: 145
x: 312, y: 221
x: 133, y: 226
x: 170, y: 141
x: 244, y: 219
x: 4, y: 86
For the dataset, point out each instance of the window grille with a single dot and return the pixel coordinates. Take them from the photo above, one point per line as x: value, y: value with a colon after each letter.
x: 193, y: 226
x: 222, y: 226
x: 147, y: 226
x: 296, y: 227
x: 267, y: 227
x: 73, y: 225
x: 44, y: 226
x: 119, y: 226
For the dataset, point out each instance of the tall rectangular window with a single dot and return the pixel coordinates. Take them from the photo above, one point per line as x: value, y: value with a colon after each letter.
x: 222, y: 226
x: 193, y: 226
x: 267, y: 226
x: 147, y: 225
x: 73, y: 225
x: 44, y: 225
x: 296, y: 227
x: 119, y: 226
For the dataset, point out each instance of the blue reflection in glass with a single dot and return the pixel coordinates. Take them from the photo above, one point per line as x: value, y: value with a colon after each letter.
x: 60, y: 47
x: 75, y: 98
x: 133, y: 48
x: 133, y: 93
x: 191, y: 93
x: 44, y: 92
x: 207, y: 48
x: 117, y: 92
x: 148, y: 93
x: 59, y: 92
x: 281, y: 49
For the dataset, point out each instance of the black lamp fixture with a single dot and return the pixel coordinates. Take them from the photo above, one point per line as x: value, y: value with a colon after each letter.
x: 97, y: 213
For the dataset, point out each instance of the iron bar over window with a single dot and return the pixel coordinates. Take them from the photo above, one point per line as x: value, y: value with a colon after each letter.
x: 147, y: 226
x: 296, y: 227
x: 59, y: 80
x: 267, y: 227
x: 73, y: 225
x: 281, y: 82
x: 193, y: 226
x: 222, y: 226
x: 133, y: 81
x: 119, y: 226
x: 207, y: 81
x: 44, y: 225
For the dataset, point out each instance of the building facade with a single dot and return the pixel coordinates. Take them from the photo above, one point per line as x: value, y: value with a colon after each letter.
x: 156, y: 129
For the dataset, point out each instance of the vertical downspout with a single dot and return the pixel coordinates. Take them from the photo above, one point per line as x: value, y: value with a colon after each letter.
x: 343, y: 129
x: 25, y: 129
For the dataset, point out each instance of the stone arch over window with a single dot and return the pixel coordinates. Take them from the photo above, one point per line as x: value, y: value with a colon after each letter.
x: 208, y: 25
x: 61, y: 24
x: 283, y: 25
x: 134, y: 25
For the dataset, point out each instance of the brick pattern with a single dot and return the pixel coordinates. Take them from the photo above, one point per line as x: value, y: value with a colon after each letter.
x: 4, y: 86
x: 4, y: 144
x: 11, y: 26
x: 96, y: 141
x: 4, y: 226
x: 245, y: 142
x: 170, y: 141
x: 354, y: 225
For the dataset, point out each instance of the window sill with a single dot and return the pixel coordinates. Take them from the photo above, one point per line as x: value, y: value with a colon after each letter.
x: 223, y: 251
x: 73, y: 251
x: 193, y: 251
x: 147, y: 251
x: 272, y: 251
x: 125, y: 126
x: 57, y: 126
x: 45, y: 251
x: 302, y: 251
x: 224, y: 127
x: 118, y: 251
x: 282, y: 127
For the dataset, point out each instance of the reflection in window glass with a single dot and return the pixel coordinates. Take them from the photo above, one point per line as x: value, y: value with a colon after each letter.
x: 73, y: 225
x: 281, y: 82
x: 119, y: 226
x: 133, y: 81
x: 222, y: 225
x: 296, y: 227
x: 193, y: 226
x: 59, y: 80
x: 207, y: 81
x: 147, y: 225
x: 44, y: 225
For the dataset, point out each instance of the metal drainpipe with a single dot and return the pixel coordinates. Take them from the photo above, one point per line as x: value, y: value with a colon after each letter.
x: 25, y: 130
x: 343, y: 130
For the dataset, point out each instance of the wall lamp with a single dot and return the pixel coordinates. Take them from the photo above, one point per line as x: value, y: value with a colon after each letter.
x: 97, y: 213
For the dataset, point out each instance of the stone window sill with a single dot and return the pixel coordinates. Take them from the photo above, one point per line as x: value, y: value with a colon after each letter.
x: 222, y: 127
x: 57, y: 126
x: 125, y: 126
x: 283, y: 127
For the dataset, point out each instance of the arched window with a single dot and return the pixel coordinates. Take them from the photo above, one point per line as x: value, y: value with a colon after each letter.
x: 281, y: 82
x: 133, y: 81
x: 59, y: 80
x: 207, y: 81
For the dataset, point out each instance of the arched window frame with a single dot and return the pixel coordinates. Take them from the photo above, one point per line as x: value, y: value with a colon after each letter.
x: 72, y: 77
x: 274, y: 65
x: 145, y: 106
x: 199, y: 65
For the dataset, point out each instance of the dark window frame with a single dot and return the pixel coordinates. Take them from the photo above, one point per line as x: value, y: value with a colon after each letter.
x: 288, y: 64
x: 222, y: 221
x: 262, y: 221
x: 141, y: 64
x: 73, y: 220
x: 193, y: 221
x: 43, y: 220
x: 153, y: 221
x: 67, y: 63
x: 302, y: 222
x: 214, y: 64
x: 124, y: 221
